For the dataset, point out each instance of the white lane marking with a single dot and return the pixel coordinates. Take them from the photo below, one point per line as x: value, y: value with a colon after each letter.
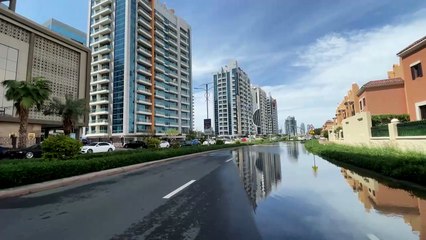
x: 372, y: 237
x: 229, y: 160
x: 179, y: 189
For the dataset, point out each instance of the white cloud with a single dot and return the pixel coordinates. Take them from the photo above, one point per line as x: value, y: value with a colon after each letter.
x: 333, y: 62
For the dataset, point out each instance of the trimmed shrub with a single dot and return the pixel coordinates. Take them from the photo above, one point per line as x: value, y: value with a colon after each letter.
x: 153, y: 143
x: 220, y: 142
x: 60, y: 147
x: 238, y: 142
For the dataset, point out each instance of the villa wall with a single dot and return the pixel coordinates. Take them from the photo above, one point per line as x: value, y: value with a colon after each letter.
x: 357, y: 131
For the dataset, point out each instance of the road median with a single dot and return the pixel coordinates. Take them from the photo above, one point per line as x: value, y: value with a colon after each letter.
x: 23, y: 177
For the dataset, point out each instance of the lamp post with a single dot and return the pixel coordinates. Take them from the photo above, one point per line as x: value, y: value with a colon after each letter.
x: 206, y: 88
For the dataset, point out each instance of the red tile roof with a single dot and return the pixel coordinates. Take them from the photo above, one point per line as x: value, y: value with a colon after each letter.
x: 419, y: 43
x: 380, y: 83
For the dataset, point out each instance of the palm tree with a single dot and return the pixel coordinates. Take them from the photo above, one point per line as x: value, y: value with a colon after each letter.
x: 70, y: 111
x: 25, y: 95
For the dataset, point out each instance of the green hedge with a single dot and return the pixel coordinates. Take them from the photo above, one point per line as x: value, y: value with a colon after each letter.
x: 408, y: 166
x: 21, y: 172
x: 385, y: 119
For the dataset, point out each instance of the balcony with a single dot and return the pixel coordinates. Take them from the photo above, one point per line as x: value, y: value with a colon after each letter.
x: 104, y: 20
x: 145, y: 4
x: 143, y: 22
x: 101, y: 40
x: 145, y: 81
x: 144, y: 121
x: 159, y: 34
x: 144, y: 91
x: 159, y: 67
x: 100, y: 61
x: 145, y: 14
x: 101, y: 50
x: 144, y: 70
x: 144, y: 101
x: 144, y: 41
x: 101, y: 31
x: 99, y: 91
x: 99, y: 101
x: 145, y: 61
x: 100, y: 81
x: 145, y: 111
x: 100, y: 111
x: 145, y: 52
x: 101, y: 3
x: 99, y: 122
x: 103, y: 11
x: 159, y: 50
x: 144, y: 32
x: 100, y: 71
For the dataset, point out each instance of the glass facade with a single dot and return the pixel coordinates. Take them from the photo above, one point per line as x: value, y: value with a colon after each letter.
x: 118, y: 82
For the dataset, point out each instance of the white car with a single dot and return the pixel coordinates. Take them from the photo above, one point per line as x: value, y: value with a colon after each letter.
x: 98, y: 147
x: 164, y: 144
x: 209, y: 142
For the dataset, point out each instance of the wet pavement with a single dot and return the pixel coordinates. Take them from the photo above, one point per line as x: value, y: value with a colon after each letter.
x: 277, y: 191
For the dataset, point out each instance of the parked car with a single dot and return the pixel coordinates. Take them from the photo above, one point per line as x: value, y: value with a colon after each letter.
x: 164, y: 144
x: 229, y: 141
x: 33, y: 151
x: 98, y: 147
x: 4, y: 152
x: 209, y: 142
x: 193, y: 142
x: 134, y: 145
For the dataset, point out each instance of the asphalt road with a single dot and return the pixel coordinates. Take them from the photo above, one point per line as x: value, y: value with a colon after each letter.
x: 211, y: 204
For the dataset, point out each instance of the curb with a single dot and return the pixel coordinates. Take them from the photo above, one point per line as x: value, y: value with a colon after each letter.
x: 38, y: 187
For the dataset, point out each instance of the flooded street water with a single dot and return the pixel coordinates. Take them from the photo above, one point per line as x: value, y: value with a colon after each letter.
x: 296, y: 195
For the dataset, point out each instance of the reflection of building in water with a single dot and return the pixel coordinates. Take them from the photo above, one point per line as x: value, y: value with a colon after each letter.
x: 375, y: 195
x: 293, y: 151
x: 260, y: 172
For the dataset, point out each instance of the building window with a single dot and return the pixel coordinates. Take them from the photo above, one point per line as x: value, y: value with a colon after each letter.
x: 422, y: 112
x: 416, y: 71
x: 363, y: 103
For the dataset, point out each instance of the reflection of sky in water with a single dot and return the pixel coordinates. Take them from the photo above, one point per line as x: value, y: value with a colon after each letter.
x: 336, y: 204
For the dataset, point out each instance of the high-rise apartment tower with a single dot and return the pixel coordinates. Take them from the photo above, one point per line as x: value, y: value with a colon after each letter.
x: 141, y: 69
x: 232, y: 102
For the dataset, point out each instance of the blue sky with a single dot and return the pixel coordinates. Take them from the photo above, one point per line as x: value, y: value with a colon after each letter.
x: 306, y: 53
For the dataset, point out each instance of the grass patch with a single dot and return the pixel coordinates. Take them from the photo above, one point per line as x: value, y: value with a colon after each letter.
x: 15, y: 173
x: 390, y: 162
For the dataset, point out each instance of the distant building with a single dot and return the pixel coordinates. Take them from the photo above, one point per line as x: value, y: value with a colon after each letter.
x: 232, y: 102
x: 29, y: 50
x: 272, y: 115
x: 260, y: 110
x: 66, y: 30
x: 413, y: 60
x: 302, y: 129
x: 291, y: 126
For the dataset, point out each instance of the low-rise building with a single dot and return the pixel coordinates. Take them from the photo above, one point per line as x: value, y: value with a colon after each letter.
x: 349, y: 105
x: 412, y: 61
x: 385, y: 96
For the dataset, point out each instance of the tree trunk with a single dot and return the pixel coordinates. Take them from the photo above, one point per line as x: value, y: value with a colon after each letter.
x: 23, y: 118
x: 67, y: 125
